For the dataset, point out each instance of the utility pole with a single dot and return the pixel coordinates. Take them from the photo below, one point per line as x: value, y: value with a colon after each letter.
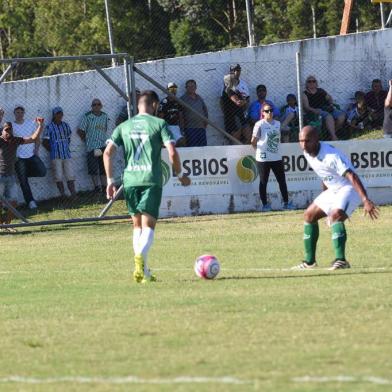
x: 249, y: 16
x: 110, y: 33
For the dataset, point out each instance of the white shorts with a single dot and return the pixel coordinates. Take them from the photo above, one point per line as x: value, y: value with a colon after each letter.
x: 345, y: 198
x: 8, y: 189
x: 176, y: 132
x: 62, y: 168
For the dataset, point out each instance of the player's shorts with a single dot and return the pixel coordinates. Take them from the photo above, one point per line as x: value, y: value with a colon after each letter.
x: 8, y: 190
x: 62, y: 168
x: 143, y: 199
x: 176, y: 132
x: 345, y: 198
x: 95, y: 165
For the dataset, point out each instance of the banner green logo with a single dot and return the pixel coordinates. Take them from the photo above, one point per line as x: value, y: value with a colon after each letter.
x: 165, y: 172
x: 247, y: 169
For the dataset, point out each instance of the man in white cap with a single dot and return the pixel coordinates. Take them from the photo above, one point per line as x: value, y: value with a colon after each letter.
x: 171, y: 111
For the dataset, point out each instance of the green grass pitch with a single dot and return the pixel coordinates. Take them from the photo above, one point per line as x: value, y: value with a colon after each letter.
x: 69, y: 308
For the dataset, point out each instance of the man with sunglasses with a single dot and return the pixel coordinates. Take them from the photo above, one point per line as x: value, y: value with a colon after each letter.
x: 171, y: 111
x: 317, y: 101
x: 266, y: 141
x: 93, y: 131
x: 387, y: 127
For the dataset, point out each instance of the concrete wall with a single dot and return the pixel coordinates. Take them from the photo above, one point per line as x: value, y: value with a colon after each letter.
x: 342, y: 65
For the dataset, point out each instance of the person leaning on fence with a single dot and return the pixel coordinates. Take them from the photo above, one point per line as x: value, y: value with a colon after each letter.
x: 387, y: 126
x: 123, y: 115
x: 56, y: 139
x: 234, y: 103
x: 93, y: 130
x: 255, y: 112
x: 289, y: 119
x: 172, y: 112
x: 8, y: 147
x: 375, y: 99
x: 28, y: 163
x: 266, y: 141
x: 318, y: 102
x: 194, y: 127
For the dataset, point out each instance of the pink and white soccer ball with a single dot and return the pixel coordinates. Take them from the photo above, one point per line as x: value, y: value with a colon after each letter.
x: 207, y: 267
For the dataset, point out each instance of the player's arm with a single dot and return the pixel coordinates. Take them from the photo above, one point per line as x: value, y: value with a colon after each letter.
x: 369, y: 207
x: 388, y: 99
x: 176, y: 162
x: 111, y: 188
x: 34, y: 137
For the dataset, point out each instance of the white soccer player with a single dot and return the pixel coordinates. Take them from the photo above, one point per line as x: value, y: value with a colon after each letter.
x: 343, y: 192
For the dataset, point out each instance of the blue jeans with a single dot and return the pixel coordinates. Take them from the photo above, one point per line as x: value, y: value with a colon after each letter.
x: 29, y: 167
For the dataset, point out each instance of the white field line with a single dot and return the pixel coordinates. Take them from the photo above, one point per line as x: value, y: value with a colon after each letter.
x: 352, y: 379
x: 270, y: 269
x: 124, y: 380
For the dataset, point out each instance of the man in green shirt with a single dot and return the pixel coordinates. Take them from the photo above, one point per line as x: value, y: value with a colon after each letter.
x: 142, y: 138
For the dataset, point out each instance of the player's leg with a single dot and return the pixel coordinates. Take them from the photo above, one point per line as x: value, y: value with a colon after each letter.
x: 346, y: 200
x: 311, y: 234
x: 138, y: 273
x: 264, y: 171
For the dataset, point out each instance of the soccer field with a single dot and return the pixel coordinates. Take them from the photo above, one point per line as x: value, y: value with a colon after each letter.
x: 72, y: 319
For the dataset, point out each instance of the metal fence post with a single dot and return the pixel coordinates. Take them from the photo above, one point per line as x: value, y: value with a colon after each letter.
x: 131, y: 65
x: 299, y: 89
x: 128, y: 87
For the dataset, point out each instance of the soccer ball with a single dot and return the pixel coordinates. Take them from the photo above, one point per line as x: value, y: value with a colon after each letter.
x: 207, y: 267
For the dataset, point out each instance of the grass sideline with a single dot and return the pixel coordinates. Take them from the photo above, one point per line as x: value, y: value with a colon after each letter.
x: 68, y: 307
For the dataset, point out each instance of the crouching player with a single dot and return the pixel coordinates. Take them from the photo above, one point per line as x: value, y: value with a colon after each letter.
x: 8, y: 146
x: 343, y: 192
x: 142, y: 137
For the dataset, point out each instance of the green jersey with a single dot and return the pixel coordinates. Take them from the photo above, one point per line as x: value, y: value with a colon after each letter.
x: 95, y: 128
x: 142, y: 137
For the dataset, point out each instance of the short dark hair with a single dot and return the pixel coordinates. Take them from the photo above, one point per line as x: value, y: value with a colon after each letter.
x: 19, y: 107
x: 291, y: 96
x: 261, y: 87
x: 190, y: 81
x: 7, y: 124
x: 150, y: 96
x: 376, y: 81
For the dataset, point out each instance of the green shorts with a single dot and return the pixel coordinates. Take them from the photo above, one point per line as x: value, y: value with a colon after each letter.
x: 143, y: 199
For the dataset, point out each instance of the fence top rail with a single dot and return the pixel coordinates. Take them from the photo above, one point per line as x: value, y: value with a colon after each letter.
x: 64, y: 58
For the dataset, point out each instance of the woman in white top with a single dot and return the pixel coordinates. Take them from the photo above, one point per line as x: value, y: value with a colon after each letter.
x: 266, y: 141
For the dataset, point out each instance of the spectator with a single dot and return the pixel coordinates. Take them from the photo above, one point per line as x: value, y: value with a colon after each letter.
x: 1, y: 114
x: 235, y: 101
x: 375, y: 100
x: 266, y: 141
x: 256, y: 107
x: 93, y: 131
x: 319, y: 102
x: 360, y: 118
x: 289, y: 119
x: 123, y: 115
x: 387, y: 126
x: 28, y: 163
x: 8, y: 150
x: 358, y: 96
x: 56, y: 139
x: 194, y: 127
x: 171, y: 111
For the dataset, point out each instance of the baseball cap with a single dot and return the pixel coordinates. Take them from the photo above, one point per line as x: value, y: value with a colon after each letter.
x: 171, y: 84
x: 56, y: 110
x: 235, y: 67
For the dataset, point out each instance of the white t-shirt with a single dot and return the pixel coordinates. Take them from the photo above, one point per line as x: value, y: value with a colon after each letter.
x: 24, y: 130
x: 268, y: 143
x: 330, y: 164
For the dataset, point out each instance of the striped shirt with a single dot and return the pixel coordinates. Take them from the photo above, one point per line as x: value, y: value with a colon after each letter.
x: 59, y: 136
x: 95, y: 128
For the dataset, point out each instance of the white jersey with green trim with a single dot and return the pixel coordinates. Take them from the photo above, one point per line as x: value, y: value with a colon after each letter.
x: 330, y: 164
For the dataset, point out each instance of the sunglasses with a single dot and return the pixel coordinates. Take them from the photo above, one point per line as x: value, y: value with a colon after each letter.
x: 268, y: 111
x: 312, y: 81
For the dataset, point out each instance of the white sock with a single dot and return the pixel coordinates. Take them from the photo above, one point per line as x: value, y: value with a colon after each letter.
x: 145, y: 242
x: 136, y: 238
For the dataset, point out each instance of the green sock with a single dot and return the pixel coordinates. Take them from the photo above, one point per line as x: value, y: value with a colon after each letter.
x: 311, y: 234
x: 339, y: 238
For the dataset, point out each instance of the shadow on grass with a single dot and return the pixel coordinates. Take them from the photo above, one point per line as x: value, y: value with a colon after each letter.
x: 328, y: 274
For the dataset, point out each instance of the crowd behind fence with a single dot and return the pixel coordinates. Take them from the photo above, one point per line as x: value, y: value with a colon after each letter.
x: 230, y: 95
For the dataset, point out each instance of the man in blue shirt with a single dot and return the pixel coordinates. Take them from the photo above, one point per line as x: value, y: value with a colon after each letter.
x: 56, y: 139
x: 255, y: 109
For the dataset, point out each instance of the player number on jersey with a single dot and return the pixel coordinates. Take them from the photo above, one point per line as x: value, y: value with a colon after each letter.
x: 140, y: 140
